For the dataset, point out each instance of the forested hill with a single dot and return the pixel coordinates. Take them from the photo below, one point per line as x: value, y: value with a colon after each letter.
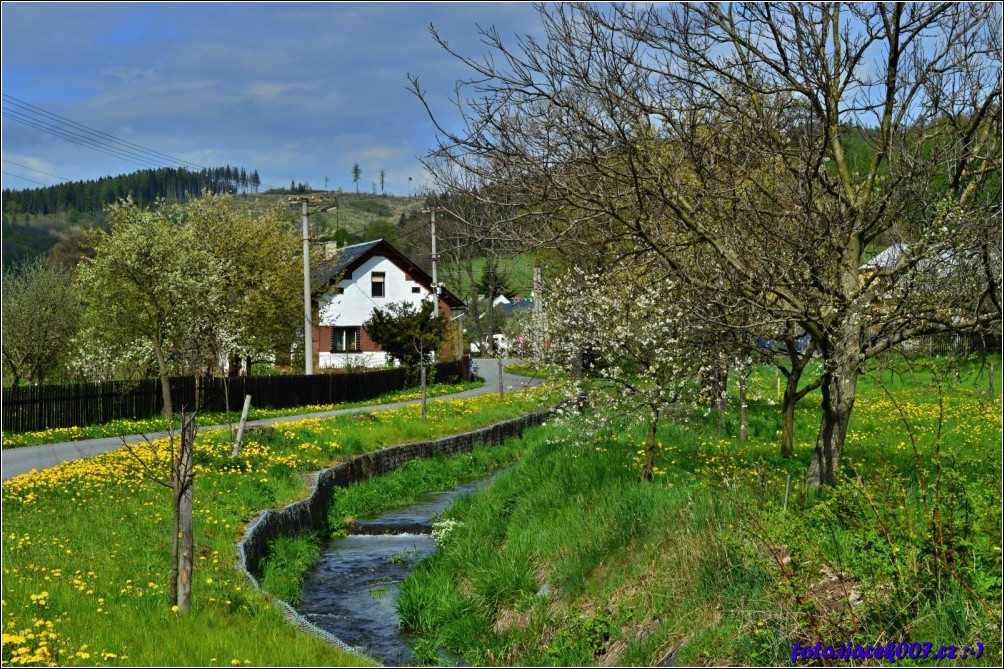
x: 51, y: 221
x: 144, y: 187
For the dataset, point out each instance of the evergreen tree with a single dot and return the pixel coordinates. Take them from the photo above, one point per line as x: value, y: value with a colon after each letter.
x: 356, y: 173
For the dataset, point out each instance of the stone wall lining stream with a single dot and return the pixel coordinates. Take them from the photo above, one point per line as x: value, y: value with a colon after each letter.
x: 311, y: 513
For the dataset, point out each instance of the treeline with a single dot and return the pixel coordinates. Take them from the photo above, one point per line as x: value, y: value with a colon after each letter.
x: 294, y: 189
x: 144, y: 187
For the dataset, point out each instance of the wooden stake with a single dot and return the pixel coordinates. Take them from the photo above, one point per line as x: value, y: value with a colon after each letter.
x: 240, y: 428
x: 423, y: 391
x: 787, y: 487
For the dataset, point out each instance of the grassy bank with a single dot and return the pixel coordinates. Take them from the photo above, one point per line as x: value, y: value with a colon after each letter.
x: 289, y: 558
x: 86, y: 544
x: 569, y: 559
x: 126, y: 426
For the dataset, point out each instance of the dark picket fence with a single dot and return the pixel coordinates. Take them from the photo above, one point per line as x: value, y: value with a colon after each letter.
x: 30, y: 408
x: 953, y: 344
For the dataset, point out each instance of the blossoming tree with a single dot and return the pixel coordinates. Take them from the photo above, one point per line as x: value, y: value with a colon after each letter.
x: 632, y: 332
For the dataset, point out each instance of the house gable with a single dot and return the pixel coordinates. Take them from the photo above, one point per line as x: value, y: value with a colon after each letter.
x: 354, y: 301
x: 358, y: 280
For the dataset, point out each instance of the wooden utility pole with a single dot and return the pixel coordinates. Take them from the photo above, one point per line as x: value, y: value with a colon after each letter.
x: 308, y: 326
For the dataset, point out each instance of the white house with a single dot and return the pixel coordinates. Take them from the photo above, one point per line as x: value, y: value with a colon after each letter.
x: 357, y: 280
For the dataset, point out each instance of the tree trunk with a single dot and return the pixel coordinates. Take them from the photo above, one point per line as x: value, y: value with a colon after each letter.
x: 650, y: 447
x: 165, y: 381
x: 576, y: 371
x: 423, y: 391
x: 743, y: 426
x: 839, y: 386
x: 792, y: 395
x: 172, y: 579
x: 501, y: 375
x: 717, y: 383
x: 235, y: 365
x: 475, y: 309
x: 185, y: 476
x: 788, y: 403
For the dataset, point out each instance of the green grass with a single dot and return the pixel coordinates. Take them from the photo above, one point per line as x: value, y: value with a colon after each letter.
x: 707, y: 558
x: 287, y: 560
x: 86, y: 543
x: 535, y: 371
x: 405, y: 485
x: 126, y: 426
x: 290, y: 558
x: 357, y: 210
x: 518, y: 270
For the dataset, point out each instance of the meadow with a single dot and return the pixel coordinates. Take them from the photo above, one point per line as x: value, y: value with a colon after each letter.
x: 86, y: 544
x: 213, y: 418
x: 726, y: 557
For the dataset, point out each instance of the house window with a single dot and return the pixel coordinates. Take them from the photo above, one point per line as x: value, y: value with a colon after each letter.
x: 345, y: 340
x: 378, y: 281
x: 416, y: 289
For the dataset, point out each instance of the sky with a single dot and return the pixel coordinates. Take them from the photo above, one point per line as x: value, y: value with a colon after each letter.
x: 299, y: 91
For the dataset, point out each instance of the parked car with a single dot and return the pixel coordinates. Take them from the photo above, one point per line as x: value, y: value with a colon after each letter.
x: 497, y: 344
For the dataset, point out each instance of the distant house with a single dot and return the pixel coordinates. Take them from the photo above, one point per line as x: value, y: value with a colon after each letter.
x: 516, y: 305
x: 884, y: 260
x: 356, y: 280
x: 939, y: 266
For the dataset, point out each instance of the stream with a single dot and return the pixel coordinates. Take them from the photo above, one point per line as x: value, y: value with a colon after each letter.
x: 352, y: 590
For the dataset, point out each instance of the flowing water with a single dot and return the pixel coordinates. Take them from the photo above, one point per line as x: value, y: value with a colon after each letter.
x: 352, y: 590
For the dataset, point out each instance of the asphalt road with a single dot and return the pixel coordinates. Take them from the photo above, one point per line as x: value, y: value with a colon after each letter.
x: 16, y: 461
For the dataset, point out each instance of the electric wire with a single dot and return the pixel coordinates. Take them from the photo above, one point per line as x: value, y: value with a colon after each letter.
x: 48, y: 174
x: 18, y: 176
x: 25, y: 113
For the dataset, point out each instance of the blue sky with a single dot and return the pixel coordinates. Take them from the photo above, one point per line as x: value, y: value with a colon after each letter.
x: 298, y: 91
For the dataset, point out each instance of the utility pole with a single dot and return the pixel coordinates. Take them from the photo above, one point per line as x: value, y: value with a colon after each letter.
x: 538, y: 313
x: 308, y: 329
x: 308, y: 326
x: 435, y: 291
x: 435, y: 256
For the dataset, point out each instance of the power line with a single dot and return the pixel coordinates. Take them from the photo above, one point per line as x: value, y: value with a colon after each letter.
x: 33, y: 110
x: 18, y: 176
x: 77, y: 139
x: 33, y: 116
x: 81, y: 139
x: 55, y: 176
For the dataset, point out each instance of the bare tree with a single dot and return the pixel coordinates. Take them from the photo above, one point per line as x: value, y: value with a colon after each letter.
x: 780, y: 144
x: 179, y: 480
x: 477, y: 253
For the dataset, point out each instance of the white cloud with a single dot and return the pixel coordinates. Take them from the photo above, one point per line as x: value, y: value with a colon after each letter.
x: 297, y: 91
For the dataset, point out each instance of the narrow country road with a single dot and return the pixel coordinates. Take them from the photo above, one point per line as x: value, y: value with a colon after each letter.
x: 22, y: 460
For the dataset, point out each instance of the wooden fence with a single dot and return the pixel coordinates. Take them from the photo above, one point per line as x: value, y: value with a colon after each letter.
x: 953, y: 344
x: 30, y: 408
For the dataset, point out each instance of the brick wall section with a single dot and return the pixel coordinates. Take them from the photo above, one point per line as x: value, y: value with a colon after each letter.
x: 311, y: 513
x: 323, y: 339
x: 366, y: 344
